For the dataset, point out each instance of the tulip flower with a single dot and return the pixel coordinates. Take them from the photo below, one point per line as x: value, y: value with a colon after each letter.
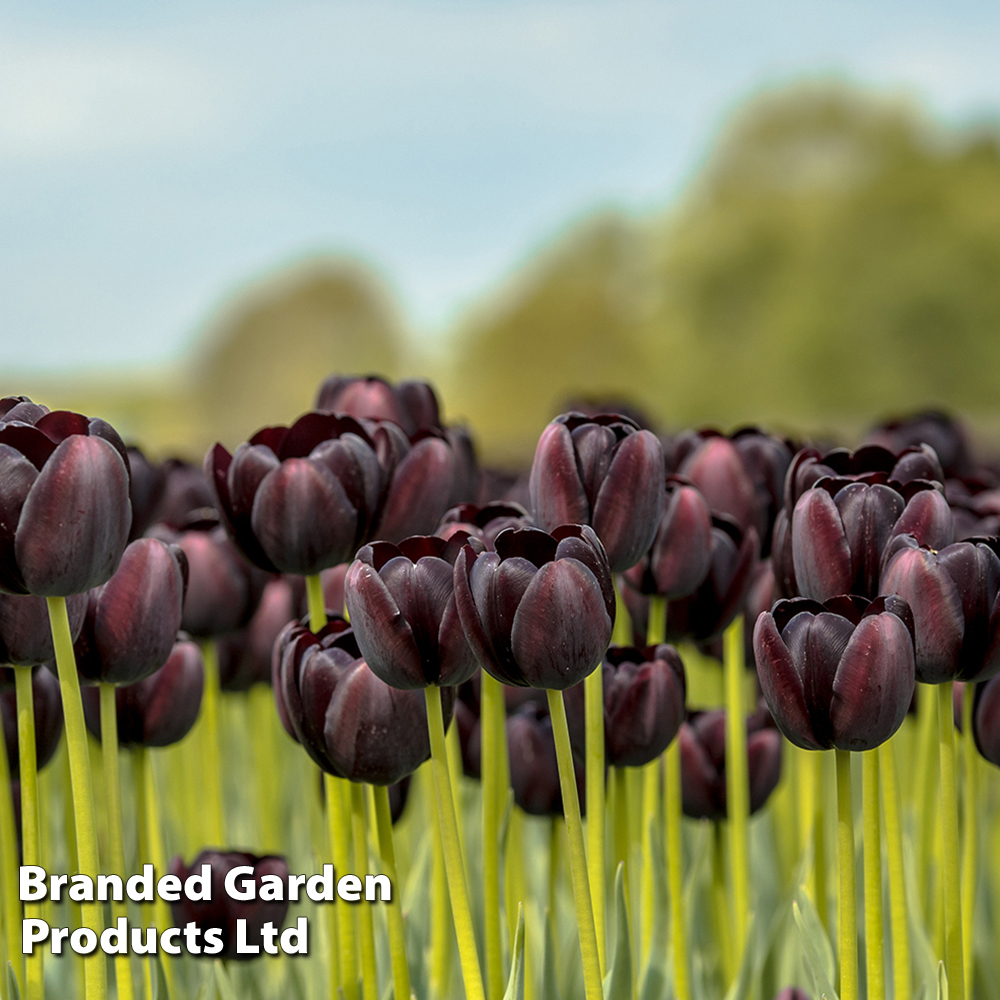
x: 298, y: 499
x: 64, y: 508
x: 539, y: 611
x: 185, y: 491
x: 938, y: 430
x: 221, y: 911
x: 21, y: 409
x: 133, y: 619
x: 402, y: 605
x: 146, y: 485
x: 25, y: 635
x: 986, y: 719
x: 411, y: 404
x: 838, y: 674
x: 485, y: 522
x: 534, y: 772
x: 48, y: 718
x: 954, y: 594
x: 602, y: 471
x: 703, y: 763
x: 160, y: 709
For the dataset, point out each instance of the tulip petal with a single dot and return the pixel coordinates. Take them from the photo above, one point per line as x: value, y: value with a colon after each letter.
x: 555, y: 486
x: 717, y: 469
x: 820, y: 554
x: 17, y: 476
x: 420, y: 491
x: 764, y: 765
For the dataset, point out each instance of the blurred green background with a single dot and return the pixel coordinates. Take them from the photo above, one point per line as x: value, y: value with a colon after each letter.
x: 835, y: 260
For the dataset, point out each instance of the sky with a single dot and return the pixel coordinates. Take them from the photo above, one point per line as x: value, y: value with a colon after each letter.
x: 156, y: 157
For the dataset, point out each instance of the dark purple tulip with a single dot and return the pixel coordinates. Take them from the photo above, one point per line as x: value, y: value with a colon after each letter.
x: 64, y: 506
x: 298, y: 499
x: 48, y: 719
x: 840, y: 530
x: 943, y: 433
x: 707, y: 612
x: 25, y: 632
x: 465, y: 480
x: 352, y: 724
x: 157, y: 711
x: 602, y: 471
x: 953, y: 594
x: 761, y: 597
x: 703, y: 763
x: 539, y: 611
x: 401, y: 601
x: 681, y: 555
x: 534, y: 771
x: 132, y: 620
x: 839, y: 674
x: 986, y: 720
x: 412, y: 404
x: 223, y: 588
x: 21, y: 409
x: 185, y: 491
x: 485, y: 522
x: 146, y: 485
x: 782, y: 558
x: 221, y: 911
x: 469, y: 738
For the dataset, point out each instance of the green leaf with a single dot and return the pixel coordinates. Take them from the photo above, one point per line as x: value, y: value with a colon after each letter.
x: 818, y: 950
x: 653, y: 985
x: 618, y: 981
x: 223, y: 982
x: 515, y: 985
x: 550, y: 981
x: 942, y: 979
x: 15, y: 991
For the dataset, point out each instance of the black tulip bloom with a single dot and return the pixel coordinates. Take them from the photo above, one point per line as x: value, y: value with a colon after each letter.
x: 938, y: 430
x: 132, y: 620
x: 221, y: 911
x: 839, y: 674
x: 485, y: 522
x: 401, y: 601
x: 539, y: 611
x: 48, y: 719
x: 160, y: 710
x: 681, y: 555
x: 298, y: 499
x: 25, y: 632
x: 352, y: 724
x: 703, y: 763
x: 707, y: 612
x: 954, y: 594
x: 65, y: 514
x: 146, y: 485
x: 986, y: 720
x: 534, y: 769
x: 20, y: 409
x: 411, y: 404
x: 602, y: 471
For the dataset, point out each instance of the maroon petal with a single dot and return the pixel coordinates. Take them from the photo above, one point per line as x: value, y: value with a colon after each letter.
x: 682, y: 551
x: 820, y: 553
x: 17, y: 476
x: 555, y: 487
x: 717, y: 469
x: 764, y: 765
x: 419, y: 493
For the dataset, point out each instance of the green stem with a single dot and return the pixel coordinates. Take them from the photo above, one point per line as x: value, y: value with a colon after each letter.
x: 723, y: 914
x: 948, y: 811
x: 737, y: 784
x: 339, y: 835
x: 212, y: 759
x: 394, y: 911
x: 872, y: 840
x: 927, y: 768
x: 10, y: 903
x: 454, y: 750
x: 316, y: 602
x: 441, y: 932
x: 555, y: 839
x: 116, y: 841
x: 620, y: 822
x: 902, y: 978
x: 492, y: 715
x: 970, y: 855
x: 454, y: 866
x: 514, y: 884
x: 593, y: 695
x: 369, y: 971
x: 30, y: 850
x: 848, y: 914
x: 265, y: 754
x: 675, y: 868
x: 577, y: 852
x: 820, y: 762
x: 656, y: 627
x: 95, y: 964
x: 650, y: 817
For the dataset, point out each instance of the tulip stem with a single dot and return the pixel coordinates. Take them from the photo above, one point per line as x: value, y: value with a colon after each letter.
x: 721, y: 902
x: 369, y: 970
x: 927, y: 768
x: 593, y: 987
x: 260, y: 702
x: 28, y: 767
x: 847, y: 921
x: 454, y: 865
x: 737, y: 784
x: 316, y: 602
x: 970, y: 859
x: 210, y: 746
x: 620, y: 823
x: 675, y: 867
x: 394, y: 909
x: 95, y: 964
x: 10, y: 904
x: 116, y: 841
x: 492, y: 714
x: 651, y: 813
x: 872, y: 840
x: 593, y: 700
x: 339, y: 835
x: 902, y: 977
x: 948, y: 811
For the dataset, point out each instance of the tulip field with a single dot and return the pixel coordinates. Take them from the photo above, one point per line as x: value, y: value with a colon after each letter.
x: 342, y: 714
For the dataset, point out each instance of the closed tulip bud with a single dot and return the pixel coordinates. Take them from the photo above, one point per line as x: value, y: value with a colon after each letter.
x: 715, y: 466
x: 298, y: 499
x: 465, y: 480
x: 159, y: 710
x: 539, y: 611
x: 48, y: 719
x: 146, y: 485
x: 352, y: 724
x: 221, y: 911
x: 986, y: 719
x: 485, y: 522
x: 761, y: 597
x: 185, y: 491
x: 25, y: 632
x: 602, y: 471
x: 703, y: 763
x: 412, y: 404
x: 21, y: 409
x: 401, y: 602
x: 534, y: 771
x: 132, y: 621
x: 64, y: 504
x: 681, y: 555
x: 839, y: 674
x: 707, y: 612
x: 953, y: 594
x: 944, y: 434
